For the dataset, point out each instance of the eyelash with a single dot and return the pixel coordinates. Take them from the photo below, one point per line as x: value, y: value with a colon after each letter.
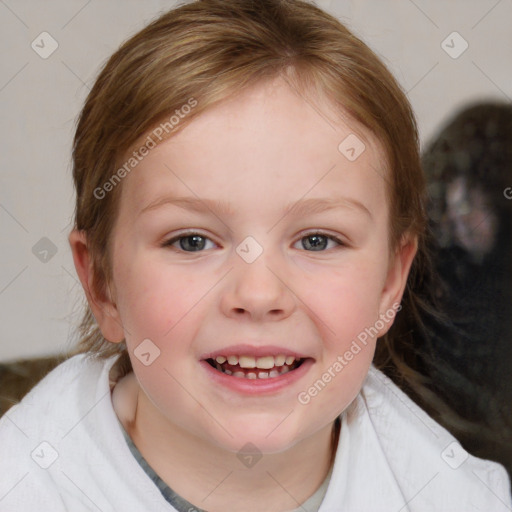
x: 175, y: 239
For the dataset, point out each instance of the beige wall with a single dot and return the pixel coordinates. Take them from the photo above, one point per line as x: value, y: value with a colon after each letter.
x: 40, y: 99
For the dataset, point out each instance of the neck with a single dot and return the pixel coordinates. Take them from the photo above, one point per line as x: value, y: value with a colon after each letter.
x: 276, y: 483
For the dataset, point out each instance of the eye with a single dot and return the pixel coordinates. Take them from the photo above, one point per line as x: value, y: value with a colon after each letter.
x: 319, y: 241
x: 188, y: 242
x: 195, y: 242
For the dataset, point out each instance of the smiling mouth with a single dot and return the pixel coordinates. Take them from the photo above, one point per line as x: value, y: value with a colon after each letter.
x: 248, y: 367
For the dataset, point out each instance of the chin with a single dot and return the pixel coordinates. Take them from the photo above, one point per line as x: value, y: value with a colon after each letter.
x: 267, y: 436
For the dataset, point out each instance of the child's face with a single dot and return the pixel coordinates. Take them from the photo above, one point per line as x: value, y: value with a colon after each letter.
x: 256, y: 154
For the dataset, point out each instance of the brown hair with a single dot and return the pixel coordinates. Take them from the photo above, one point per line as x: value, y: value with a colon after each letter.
x: 209, y: 49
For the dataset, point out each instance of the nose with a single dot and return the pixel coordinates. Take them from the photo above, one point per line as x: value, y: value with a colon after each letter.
x: 257, y: 291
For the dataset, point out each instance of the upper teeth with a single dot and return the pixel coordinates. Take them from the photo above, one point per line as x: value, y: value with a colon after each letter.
x: 264, y: 363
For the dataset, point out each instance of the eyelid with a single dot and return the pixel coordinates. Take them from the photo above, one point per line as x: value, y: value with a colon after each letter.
x: 336, y: 238
x: 169, y: 242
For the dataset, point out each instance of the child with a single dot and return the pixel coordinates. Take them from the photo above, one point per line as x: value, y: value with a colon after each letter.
x: 249, y: 205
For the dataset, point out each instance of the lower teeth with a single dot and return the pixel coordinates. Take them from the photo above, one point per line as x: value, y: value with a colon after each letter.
x: 251, y: 375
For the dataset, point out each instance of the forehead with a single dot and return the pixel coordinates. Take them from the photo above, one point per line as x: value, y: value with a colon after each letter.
x: 269, y: 142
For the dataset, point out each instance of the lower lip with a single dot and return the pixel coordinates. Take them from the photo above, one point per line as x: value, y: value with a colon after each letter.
x: 257, y: 386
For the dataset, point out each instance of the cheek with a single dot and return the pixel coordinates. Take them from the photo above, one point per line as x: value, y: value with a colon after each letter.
x: 153, y: 299
x: 344, y: 301
x: 161, y: 306
x: 346, y: 311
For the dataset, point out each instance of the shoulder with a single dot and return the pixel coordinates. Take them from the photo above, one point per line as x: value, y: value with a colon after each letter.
x: 62, y: 448
x: 57, y: 391
x: 35, y: 434
x: 425, y: 458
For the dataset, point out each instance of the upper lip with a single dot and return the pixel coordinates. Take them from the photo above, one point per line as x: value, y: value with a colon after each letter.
x: 255, y: 351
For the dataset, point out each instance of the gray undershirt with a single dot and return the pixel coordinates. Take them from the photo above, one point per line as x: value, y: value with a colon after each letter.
x: 182, y: 505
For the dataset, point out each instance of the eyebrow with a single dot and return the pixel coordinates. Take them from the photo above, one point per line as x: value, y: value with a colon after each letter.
x: 298, y: 208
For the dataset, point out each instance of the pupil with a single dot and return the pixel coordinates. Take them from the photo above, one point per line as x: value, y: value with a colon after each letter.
x: 316, y: 242
x: 192, y: 242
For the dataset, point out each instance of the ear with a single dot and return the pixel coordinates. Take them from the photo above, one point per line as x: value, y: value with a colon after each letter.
x: 396, y: 279
x: 103, y: 307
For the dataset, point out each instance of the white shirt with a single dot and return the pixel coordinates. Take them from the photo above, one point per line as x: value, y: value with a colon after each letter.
x: 62, y: 449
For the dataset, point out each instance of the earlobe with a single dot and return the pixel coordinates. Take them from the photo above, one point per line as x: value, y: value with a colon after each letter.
x: 396, y: 278
x: 103, y: 307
